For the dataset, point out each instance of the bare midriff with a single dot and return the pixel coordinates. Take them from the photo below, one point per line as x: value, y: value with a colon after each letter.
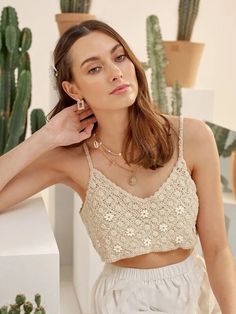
x: 155, y: 259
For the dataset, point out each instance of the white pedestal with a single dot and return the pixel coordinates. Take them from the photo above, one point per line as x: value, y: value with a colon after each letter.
x: 196, y: 103
x: 29, y: 257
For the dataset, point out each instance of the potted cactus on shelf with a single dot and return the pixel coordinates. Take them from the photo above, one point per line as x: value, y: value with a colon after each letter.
x: 73, y: 12
x: 183, y: 55
x: 22, y: 306
x: 15, y: 82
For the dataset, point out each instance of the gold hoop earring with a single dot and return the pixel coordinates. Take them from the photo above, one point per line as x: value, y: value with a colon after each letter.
x: 80, y: 104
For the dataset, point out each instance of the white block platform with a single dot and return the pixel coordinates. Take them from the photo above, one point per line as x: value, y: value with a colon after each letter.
x: 29, y: 257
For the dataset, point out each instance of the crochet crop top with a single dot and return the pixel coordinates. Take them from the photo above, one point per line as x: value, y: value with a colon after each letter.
x: 122, y: 225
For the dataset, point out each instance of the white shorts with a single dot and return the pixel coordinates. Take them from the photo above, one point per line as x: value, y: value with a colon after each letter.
x: 181, y: 288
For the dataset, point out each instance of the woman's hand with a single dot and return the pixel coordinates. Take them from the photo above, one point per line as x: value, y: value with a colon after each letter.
x: 71, y: 125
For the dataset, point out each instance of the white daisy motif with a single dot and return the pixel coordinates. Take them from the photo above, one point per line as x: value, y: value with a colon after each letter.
x: 179, y: 210
x: 179, y: 239
x: 163, y: 227
x: 130, y: 232
x: 147, y: 242
x: 117, y: 248
x: 109, y: 216
x: 144, y: 213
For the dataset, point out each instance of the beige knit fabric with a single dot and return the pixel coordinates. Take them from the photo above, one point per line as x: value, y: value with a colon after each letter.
x: 122, y: 225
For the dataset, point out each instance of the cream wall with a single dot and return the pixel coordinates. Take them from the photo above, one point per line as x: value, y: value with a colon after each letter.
x: 215, y: 26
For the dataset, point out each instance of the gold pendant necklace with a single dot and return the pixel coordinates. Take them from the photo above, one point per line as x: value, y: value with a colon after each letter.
x: 98, y: 143
x: 132, y: 180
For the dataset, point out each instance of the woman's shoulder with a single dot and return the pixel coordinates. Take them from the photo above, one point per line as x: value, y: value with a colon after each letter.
x: 197, y: 137
x: 194, y: 129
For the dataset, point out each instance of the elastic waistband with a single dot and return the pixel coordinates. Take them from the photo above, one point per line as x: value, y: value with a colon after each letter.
x: 150, y: 273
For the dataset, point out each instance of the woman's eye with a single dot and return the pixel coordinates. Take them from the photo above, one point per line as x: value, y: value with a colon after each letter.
x: 120, y: 58
x: 94, y: 70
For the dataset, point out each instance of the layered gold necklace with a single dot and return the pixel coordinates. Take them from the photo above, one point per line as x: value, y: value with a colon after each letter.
x: 132, y: 180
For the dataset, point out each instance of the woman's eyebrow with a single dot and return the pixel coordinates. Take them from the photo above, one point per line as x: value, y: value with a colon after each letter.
x: 97, y: 58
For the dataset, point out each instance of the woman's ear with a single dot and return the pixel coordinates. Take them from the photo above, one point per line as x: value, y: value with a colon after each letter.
x: 71, y: 90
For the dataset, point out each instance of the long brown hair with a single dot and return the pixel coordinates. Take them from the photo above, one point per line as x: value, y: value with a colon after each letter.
x: 148, y: 142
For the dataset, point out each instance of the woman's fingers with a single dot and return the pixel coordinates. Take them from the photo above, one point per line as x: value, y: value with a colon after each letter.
x: 86, y: 133
x: 87, y: 122
x: 85, y: 114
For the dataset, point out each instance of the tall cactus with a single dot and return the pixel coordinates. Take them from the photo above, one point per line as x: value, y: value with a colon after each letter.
x: 157, y: 62
x: 15, y: 80
x: 76, y: 6
x: 176, y: 99
x: 188, y: 11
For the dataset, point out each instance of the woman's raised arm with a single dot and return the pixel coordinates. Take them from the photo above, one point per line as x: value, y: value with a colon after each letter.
x: 35, y: 164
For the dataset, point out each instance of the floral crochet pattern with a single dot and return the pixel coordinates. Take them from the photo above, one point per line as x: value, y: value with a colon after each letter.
x: 122, y: 225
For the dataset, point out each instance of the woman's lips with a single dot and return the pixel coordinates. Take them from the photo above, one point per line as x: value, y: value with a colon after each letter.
x: 120, y: 89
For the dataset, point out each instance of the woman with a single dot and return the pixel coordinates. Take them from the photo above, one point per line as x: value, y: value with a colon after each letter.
x: 150, y: 183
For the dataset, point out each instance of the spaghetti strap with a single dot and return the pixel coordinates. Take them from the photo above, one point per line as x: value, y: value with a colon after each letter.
x: 181, y: 139
x: 86, y: 150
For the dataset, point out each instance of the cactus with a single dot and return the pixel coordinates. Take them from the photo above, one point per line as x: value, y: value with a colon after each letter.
x: 188, y: 11
x: 75, y: 6
x: 37, y: 119
x: 176, y: 99
x: 157, y: 63
x: 15, y: 80
x: 22, y: 304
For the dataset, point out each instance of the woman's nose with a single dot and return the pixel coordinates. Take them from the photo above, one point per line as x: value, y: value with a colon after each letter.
x: 116, y: 73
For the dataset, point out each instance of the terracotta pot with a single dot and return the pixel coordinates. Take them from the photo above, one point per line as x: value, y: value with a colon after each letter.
x: 67, y: 20
x: 183, y: 62
x: 233, y: 172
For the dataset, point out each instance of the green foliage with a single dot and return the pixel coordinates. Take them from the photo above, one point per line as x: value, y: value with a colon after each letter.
x: 221, y: 135
x: 15, y: 80
x: 37, y: 119
x: 23, y: 306
x: 188, y: 11
x: 176, y: 99
x: 157, y: 63
x: 75, y: 6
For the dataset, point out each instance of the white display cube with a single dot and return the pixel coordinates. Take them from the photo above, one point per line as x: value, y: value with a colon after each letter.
x: 29, y: 257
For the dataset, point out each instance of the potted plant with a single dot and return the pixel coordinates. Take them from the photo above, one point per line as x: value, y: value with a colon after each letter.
x: 15, y: 82
x: 21, y: 304
x: 73, y: 12
x: 183, y: 55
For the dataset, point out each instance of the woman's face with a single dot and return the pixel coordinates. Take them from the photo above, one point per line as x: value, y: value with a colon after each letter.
x: 100, y: 65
